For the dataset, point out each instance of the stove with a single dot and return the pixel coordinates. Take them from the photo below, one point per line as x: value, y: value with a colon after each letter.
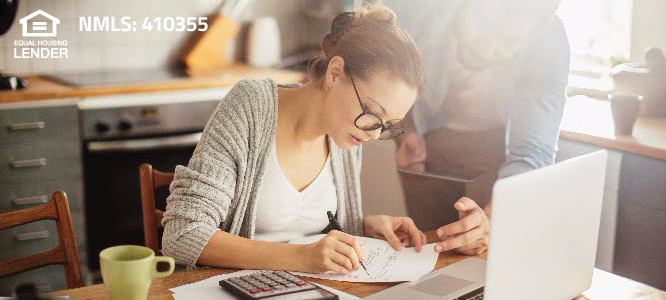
x: 116, y: 77
x: 119, y: 133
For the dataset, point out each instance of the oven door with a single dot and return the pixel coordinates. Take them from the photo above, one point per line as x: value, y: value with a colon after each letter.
x: 112, y: 189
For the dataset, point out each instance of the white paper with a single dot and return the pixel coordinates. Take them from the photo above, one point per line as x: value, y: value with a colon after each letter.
x: 383, y: 263
x: 210, y: 289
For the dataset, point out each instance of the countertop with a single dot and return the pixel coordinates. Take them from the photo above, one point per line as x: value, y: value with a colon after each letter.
x: 589, y: 121
x: 41, y: 88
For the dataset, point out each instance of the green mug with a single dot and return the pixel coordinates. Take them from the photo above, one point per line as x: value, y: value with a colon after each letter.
x: 127, y: 270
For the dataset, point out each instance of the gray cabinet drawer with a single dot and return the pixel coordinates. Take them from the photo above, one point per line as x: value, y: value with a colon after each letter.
x: 20, y: 194
x: 639, y: 251
x: 39, y: 123
x: 28, y: 238
x: 49, y: 278
x: 29, y: 193
x: 40, y: 159
x: 37, y: 237
x: 643, y: 182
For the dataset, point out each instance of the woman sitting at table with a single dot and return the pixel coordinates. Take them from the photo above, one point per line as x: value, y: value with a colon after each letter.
x: 274, y: 159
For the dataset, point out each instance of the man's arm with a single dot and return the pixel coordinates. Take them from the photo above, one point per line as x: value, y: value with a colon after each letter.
x: 536, y: 111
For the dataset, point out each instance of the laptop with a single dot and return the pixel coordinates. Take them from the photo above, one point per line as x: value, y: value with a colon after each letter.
x: 543, y: 239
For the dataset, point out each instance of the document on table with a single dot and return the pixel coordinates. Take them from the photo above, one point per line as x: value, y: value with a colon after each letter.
x: 383, y: 263
x: 210, y: 288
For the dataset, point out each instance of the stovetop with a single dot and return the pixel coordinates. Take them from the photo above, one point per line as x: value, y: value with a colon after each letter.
x: 115, y: 77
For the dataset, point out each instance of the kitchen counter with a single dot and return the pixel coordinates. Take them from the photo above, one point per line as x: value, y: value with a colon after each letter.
x: 589, y: 120
x: 43, y: 88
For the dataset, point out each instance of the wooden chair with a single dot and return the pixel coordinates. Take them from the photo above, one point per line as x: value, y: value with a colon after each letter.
x: 151, y: 180
x: 66, y: 253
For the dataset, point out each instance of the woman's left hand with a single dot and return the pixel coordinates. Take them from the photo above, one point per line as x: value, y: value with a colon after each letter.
x: 397, y: 231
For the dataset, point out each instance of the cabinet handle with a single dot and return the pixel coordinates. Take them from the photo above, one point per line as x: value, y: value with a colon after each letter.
x: 32, y: 235
x: 37, y: 162
x: 31, y: 200
x: 45, y: 288
x: 27, y: 126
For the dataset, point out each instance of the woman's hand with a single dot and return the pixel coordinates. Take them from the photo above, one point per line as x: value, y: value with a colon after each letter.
x: 398, y: 231
x: 411, y: 153
x: 469, y: 235
x: 337, y: 251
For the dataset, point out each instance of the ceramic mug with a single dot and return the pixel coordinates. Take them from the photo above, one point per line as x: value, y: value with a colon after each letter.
x: 625, y: 109
x: 127, y: 270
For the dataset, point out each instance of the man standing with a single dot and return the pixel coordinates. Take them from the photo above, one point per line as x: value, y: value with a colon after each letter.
x: 496, y: 73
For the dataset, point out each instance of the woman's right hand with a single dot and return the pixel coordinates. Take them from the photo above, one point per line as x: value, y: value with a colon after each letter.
x: 337, y: 251
x: 411, y: 153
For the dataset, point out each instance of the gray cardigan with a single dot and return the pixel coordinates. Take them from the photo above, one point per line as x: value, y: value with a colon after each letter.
x: 218, y: 188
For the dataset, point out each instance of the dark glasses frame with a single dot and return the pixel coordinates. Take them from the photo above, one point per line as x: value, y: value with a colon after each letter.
x: 387, y: 132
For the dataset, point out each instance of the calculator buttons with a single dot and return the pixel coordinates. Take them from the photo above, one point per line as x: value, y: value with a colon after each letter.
x: 265, y: 284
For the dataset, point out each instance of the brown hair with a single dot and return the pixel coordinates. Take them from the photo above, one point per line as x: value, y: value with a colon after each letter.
x: 370, y: 40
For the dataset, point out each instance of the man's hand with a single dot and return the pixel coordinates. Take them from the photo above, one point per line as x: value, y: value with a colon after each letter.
x: 411, y: 153
x: 469, y: 235
x: 397, y: 231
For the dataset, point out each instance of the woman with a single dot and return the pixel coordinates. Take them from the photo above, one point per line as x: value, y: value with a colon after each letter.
x: 274, y: 159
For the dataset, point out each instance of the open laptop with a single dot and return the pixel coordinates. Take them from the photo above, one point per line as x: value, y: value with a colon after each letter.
x: 543, y: 239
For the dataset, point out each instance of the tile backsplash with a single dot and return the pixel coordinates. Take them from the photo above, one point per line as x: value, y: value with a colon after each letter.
x: 301, y: 22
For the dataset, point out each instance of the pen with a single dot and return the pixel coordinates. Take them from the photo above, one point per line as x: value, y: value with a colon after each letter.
x: 335, y: 225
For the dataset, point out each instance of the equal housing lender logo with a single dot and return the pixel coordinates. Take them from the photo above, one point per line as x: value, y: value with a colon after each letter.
x: 40, y: 28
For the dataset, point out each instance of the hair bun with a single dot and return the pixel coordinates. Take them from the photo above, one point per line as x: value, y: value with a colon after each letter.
x: 343, y: 22
x: 377, y: 14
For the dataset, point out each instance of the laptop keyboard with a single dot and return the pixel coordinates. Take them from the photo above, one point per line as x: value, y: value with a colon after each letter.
x: 473, y: 295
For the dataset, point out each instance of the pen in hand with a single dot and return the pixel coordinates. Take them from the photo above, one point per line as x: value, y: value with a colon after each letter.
x: 333, y: 223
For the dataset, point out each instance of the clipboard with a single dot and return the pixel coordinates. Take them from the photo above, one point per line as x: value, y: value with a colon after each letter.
x: 430, y: 197
x: 456, y: 175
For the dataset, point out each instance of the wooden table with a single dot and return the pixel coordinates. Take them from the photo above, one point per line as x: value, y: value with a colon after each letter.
x: 604, y: 285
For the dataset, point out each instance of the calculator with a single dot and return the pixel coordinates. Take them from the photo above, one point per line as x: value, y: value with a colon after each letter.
x: 266, y: 284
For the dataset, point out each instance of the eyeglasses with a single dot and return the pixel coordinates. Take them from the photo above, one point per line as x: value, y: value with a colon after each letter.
x: 369, y: 121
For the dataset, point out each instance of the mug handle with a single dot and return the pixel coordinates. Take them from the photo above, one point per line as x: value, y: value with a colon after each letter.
x: 169, y: 260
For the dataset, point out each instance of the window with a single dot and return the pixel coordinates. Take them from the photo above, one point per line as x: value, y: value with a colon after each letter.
x: 599, y: 30
x: 599, y: 33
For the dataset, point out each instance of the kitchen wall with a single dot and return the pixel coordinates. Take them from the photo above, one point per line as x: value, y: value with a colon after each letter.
x: 302, y: 23
x: 380, y: 184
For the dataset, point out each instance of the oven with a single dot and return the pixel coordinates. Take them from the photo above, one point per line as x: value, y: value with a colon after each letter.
x: 121, y: 132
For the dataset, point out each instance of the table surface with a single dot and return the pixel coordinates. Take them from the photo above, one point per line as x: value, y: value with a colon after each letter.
x: 604, y: 285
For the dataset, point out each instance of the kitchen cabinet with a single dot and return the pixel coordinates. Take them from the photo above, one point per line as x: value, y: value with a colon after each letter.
x: 632, y: 235
x: 641, y: 236
x: 40, y: 152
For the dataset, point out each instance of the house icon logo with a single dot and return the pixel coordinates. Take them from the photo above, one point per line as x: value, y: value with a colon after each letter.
x: 39, y: 24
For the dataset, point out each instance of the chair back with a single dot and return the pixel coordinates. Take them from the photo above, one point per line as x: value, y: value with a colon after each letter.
x: 151, y: 181
x: 66, y: 253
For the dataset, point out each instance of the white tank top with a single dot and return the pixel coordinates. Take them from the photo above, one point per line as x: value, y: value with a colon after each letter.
x: 283, y: 212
